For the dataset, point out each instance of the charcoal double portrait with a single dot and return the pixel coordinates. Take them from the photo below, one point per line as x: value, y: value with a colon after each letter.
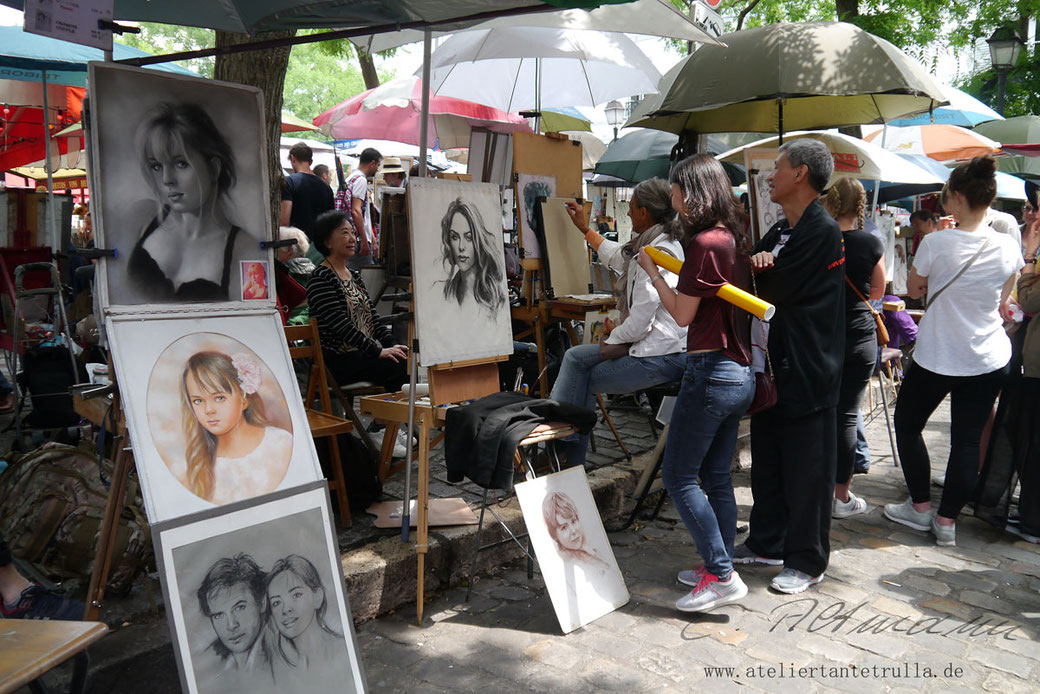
x: 461, y: 297
x: 179, y: 172
x: 256, y: 598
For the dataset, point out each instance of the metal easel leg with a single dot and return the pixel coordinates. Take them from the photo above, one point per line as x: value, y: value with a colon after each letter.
x: 888, y: 422
x: 476, y: 546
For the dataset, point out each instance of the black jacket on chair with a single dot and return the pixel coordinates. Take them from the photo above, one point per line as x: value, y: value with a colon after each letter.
x: 481, y: 437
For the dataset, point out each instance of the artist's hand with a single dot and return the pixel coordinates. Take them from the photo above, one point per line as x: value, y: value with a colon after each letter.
x: 395, y: 353
x: 646, y: 262
x: 608, y: 326
x: 577, y: 214
x: 762, y: 261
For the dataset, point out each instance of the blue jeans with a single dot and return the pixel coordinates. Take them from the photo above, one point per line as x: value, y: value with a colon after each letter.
x: 584, y: 374
x: 716, y: 392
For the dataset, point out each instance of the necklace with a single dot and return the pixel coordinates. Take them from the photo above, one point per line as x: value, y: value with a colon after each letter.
x: 340, y: 275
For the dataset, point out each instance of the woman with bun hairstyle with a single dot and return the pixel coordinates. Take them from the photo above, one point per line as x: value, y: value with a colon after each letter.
x: 962, y: 350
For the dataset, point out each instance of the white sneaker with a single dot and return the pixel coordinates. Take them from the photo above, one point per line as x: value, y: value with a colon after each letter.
x: 945, y: 535
x: 401, y: 444
x: 906, y: 514
x: 852, y: 507
x: 711, y: 593
x: 939, y: 480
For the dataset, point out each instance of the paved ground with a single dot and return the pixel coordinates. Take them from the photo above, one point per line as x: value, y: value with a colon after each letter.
x: 895, y: 613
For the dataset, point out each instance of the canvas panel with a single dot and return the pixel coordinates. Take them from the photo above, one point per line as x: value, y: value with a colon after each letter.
x: 530, y: 187
x: 169, y: 151
x: 765, y: 213
x: 566, y: 250
x: 458, y: 271
x: 255, y: 597
x: 161, y: 362
x: 574, y: 554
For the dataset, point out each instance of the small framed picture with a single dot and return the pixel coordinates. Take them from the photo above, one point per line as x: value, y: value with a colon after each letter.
x: 255, y: 597
x: 255, y: 281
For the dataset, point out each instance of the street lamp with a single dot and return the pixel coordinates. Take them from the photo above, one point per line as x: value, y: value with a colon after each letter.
x: 1004, y: 49
x: 615, y: 114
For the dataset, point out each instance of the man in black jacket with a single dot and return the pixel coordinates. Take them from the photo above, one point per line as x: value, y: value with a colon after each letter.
x: 799, y: 266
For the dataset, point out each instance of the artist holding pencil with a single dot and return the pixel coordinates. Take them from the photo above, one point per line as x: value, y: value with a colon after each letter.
x: 718, y: 384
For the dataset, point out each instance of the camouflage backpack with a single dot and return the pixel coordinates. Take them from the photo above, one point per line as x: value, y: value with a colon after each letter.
x: 52, y: 503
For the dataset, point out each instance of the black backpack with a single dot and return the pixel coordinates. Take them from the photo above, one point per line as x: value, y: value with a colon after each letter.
x: 359, y: 470
x: 47, y: 376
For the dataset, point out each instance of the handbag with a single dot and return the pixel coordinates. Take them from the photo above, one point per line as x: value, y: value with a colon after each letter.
x: 765, y: 383
x: 879, y: 322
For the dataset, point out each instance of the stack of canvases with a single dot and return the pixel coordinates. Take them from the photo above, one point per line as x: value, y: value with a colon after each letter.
x: 232, y: 486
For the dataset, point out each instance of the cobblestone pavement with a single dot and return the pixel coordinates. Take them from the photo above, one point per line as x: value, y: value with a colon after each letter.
x: 895, y: 613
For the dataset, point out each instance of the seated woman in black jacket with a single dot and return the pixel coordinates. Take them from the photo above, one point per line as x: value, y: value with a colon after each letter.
x: 356, y: 347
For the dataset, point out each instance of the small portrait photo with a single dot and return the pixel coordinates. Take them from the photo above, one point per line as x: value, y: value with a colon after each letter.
x: 574, y: 554
x: 181, y: 185
x: 219, y: 418
x: 256, y: 599
x: 213, y: 408
x: 255, y: 280
x: 463, y: 281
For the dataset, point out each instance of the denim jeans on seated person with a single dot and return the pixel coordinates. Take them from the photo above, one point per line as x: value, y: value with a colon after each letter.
x: 716, y: 392
x: 584, y: 374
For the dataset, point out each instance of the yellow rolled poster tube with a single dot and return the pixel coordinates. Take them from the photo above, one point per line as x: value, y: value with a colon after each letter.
x: 727, y: 292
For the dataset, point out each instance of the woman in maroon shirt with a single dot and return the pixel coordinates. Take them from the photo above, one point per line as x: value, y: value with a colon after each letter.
x: 718, y: 384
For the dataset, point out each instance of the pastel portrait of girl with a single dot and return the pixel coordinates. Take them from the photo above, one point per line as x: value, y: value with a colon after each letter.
x: 219, y: 419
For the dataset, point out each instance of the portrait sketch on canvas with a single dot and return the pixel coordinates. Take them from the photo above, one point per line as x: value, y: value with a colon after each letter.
x: 256, y: 602
x: 460, y: 283
x: 529, y: 188
x: 182, y: 185
x: 212, y: 407
x: 573, y: 551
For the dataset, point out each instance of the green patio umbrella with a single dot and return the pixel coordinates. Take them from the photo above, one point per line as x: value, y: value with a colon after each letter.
x: 1020, y: 130
x: 788, y: 76
x: 643, y: 154
x: 556, y: 120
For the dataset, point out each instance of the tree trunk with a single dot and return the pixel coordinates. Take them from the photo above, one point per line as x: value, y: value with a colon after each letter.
x: 264, y: 69
x: 368, y: 69
x: 847, y: 10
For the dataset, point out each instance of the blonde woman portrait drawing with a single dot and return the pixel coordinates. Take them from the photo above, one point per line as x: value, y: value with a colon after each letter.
x: 229, y: 437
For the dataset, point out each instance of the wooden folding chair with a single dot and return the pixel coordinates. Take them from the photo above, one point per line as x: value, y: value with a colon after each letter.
x: 304, y: 343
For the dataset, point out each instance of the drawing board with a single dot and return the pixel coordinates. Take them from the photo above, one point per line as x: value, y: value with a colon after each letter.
x: 567, y: 254
x: 550, y: 155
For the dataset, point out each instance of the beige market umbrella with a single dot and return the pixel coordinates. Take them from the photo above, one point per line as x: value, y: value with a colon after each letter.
x: 592, y: 148
x: 786, y: 77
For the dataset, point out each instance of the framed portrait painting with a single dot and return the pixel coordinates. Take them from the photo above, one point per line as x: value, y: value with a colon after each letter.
x: 255, y: 597
x: 180, y: 187
x: 574, y: 554
x: 213, y: 408
x: 458, y: 271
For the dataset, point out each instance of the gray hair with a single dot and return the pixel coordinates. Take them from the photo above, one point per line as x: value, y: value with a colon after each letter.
x: 302, y: 244
x: 655, y: 196
x: 816, y: 157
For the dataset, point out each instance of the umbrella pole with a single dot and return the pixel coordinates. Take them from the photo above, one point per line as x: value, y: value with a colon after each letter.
x: 538, y: 95
x: 52, y: 228
x: 780, y: 121
x: 424, y: 112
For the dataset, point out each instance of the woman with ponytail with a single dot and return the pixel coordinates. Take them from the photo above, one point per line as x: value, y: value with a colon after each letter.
x: 962, y: 349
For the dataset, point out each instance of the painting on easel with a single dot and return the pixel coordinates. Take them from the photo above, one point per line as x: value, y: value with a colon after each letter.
x: 213, y: 409
x: 461, y: 297
x: 574, y: 554
x: 255, y: 597
x: 529, y: 189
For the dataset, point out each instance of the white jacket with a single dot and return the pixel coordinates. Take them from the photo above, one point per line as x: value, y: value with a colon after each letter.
x: 649, y: 327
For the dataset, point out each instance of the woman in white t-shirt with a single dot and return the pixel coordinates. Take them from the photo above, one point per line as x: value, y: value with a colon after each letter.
x: 962, y: 349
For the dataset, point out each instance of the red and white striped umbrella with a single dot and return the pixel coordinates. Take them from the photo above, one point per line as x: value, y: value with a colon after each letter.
x: 391, y: 111
x: 940, y: 142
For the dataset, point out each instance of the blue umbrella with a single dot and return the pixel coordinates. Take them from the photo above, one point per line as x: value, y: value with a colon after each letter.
x: 25, y: 56
x: 963, y: 110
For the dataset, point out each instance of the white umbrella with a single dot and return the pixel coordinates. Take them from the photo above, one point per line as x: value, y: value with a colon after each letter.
x: 516, y: 68
x: 853, y: 158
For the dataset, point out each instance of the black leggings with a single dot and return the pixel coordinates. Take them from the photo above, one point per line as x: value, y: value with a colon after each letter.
x: 5, y: 552
x: 860, y: 360
x: 355, y: 367
x: 971, y: 402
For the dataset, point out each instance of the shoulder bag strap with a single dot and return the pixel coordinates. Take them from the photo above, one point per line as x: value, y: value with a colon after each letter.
x: 933, y: 297
x: 860, y: 295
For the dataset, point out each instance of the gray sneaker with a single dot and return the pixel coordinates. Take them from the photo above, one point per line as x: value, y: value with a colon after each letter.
x: 793, y: 581
x: 711, y: 593
x: 906, y: 514
x: 691, y: 577
x: 945, y: 535
x: 743, y: 555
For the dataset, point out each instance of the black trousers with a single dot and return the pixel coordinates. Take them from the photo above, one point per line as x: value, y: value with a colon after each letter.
x: 792, y: 480
x: 971, y: 401
x: 5, y: 552
x: 354, y: 367
x: 860, y: 360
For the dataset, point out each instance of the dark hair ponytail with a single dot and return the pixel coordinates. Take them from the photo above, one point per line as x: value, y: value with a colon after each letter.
x: 976, y: 181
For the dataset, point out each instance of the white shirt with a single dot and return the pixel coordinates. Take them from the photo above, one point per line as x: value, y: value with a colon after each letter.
x: 962, y: 334
x: 1005, y: 224
x: 359, y: 191
x: 649, y: 327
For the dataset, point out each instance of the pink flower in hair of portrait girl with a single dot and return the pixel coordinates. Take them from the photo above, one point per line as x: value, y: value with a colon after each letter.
x: 249, y: 376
